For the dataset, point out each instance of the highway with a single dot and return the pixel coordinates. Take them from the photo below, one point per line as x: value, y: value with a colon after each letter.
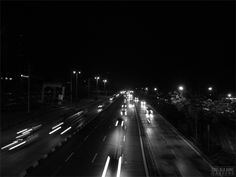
x: 16, y: 160
x: 141, y: 143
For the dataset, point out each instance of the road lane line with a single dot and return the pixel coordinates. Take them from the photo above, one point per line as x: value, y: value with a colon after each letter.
x: 104, y: 138
x: 124, y: 139
x: 94, y: 157
x: 69, y: 157
x: 142, y: 149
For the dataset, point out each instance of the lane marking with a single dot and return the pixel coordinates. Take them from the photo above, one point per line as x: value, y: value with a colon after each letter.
x: 94, y: 157
x: 106, y: 166
x: 124, y: 139
x: 141, y: 144
x: 104, y: 138
x: 69, y: 157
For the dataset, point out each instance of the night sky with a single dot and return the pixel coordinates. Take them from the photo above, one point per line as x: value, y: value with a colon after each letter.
x: 132, y: 44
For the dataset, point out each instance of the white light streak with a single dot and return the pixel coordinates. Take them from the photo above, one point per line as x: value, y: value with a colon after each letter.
x: 58, y: 125
x: 17, y: 145
x: 14, y: 142
x: 65, y: 130
x: 106, y: 166
x: 116, y: 123
x: 54, y: 130
x: 119, y: 167
x: 21, y: 131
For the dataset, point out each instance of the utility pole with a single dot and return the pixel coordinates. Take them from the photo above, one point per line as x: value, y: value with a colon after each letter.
x: 88, y: 86
x: 29, y: 89
x: 71, y: 78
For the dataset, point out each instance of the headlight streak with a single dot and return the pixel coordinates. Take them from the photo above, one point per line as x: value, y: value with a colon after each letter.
x: 58, y: 125
x: 4, y: 147
x: 17, y: 145
x: 106, y: 166
x: 116, y: 123
x: 65, y: 130
x: 21, y: 131
x: 119, y: 167
x: 54, y: 130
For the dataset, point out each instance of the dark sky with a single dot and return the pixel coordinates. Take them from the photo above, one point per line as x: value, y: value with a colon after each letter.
x: 133, y: 44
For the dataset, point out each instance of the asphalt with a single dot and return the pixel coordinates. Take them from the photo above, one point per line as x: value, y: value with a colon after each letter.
x: 87, y: 152
x: 144, y: 149
x: 14, y: 162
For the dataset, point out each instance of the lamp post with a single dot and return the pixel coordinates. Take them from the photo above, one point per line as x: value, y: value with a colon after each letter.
x: 229, y: 95
x: 97, y: 78
x: 104, y: 82
x: 76, y: 73
x: 27, y: 77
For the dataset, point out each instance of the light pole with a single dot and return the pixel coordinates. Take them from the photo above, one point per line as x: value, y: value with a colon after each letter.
x: 76, y: 73
x: 97, y: 78
x: 104, y: 82
x: 27, y: 77
x: 229, y: 95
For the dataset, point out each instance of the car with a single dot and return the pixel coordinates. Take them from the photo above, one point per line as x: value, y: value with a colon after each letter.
x: 100, y: 107
x: 119, y: 122
x: 149, y: 112
x: 136, y: 99
x: 123, y: 112
x: 124, y: 106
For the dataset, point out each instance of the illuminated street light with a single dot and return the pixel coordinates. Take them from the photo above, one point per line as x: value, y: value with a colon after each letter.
x: 76, y: 83
x: 155, y: 89
x: 97, y: 78
x: 210, y: 88
x: 180, y: 88
x: 27, y: 77
x: 229, y: 95
x: 104, y: 81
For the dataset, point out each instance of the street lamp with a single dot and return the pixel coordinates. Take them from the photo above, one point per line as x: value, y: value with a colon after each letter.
x: 27, y: 77
x: 104, y: 82
x: 155, y: 89
x: 97, y: 78
x: 181, y: 88
x: 209, y: 88
x: 229, y: 95
x: 76, y: 82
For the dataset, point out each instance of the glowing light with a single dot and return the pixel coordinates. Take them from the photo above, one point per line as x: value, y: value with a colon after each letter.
x: 229, y: 95
x: 122, y: 123
x: 14, y: 142
x: 181, y: 88
x: 210, y: 88
x: 106, y: 166
x: 21, y: 131
x: 54, y: 130
x: 58, y: 125
x: 17, y: 145
x: 116, y: 123
x: 65, y: 130
x: 119, y: 167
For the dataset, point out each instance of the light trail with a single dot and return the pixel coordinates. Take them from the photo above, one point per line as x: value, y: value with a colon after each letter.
x: 106, y: 166
x: 54, y: 130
